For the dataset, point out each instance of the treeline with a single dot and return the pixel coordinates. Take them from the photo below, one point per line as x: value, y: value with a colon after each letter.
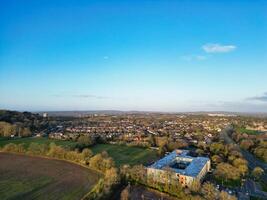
x: 230, y: 166
x: 50, y: 150
x: 255, y: 143
x: 99, y: 162
x: 22, y: 123
x: 14, y: 116
x: 138, y: 175
x: 18, y: 129
x: 166, y: 143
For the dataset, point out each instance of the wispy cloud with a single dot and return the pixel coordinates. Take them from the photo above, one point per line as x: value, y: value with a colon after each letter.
x: 218, y: 48
x: 232, y: 106
x: 194, y: 57
x: 106, y: 57
x: 259, y: 98
x: 89, y: 96
x: 82, y: 96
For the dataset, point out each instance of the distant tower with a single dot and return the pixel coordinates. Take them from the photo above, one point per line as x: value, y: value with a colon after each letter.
x: 45, y: 115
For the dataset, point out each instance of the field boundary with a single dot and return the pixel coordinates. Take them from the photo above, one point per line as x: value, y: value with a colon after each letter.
x: 72, y: 162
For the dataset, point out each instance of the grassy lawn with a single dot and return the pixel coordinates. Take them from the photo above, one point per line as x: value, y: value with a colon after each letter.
x: 127, y: 155
x: 228, y: 183
x: 39, y: 140
x: 247, y: 131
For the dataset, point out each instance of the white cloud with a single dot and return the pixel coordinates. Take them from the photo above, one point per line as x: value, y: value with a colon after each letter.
x: 259, y: 98
x: 106, y: 57
x: 194, y: 57
x: 218, y: 48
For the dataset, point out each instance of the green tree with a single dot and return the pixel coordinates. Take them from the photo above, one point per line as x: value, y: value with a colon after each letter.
x: 21, y: 148
x: 257, y: 172
x: 26, y: 132
x: 85, y: 141
x: 56, y: 151
x: 208, y: 191
x: 242, y: 165
x: 111, y: 176
x: 225, y: 196
x: 87, y: 154
x: 6, y: 129
x: 38, y: 149
x: 195, y: 186
x: 11, y: 147
x: 216, y: 148
x: 226, y: 172
x: 216, y: 159
x: 95, y: 161
x: 162, y: 150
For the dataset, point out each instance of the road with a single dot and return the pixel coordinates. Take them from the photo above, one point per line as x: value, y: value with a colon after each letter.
x: 249, y: 186
x: 252, y: 160
x: 253, y: 189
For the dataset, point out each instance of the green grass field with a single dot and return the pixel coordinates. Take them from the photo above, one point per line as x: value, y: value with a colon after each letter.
x: 249, y: 132
x: 228, y: 183
x: 127, y: 155
x: 39, y: 140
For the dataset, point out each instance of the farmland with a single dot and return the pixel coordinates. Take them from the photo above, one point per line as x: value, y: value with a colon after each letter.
x: 26, y: 177
x: 39, y: 140
x: 125, y: 154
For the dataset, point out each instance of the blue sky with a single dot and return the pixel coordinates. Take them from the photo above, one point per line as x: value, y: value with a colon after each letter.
x: 133, y: 55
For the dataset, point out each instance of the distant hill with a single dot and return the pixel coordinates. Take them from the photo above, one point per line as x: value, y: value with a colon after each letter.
x: 15, y: 116
x: 118, y: 112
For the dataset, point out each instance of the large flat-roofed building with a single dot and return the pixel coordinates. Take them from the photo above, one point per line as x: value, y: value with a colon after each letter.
x: 183, y: 167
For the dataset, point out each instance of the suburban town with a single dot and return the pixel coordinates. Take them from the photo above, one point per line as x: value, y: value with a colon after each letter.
x: 133, y: 100
x: 223, y: 153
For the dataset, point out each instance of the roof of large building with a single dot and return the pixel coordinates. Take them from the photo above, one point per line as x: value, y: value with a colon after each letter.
x: 194, y: 164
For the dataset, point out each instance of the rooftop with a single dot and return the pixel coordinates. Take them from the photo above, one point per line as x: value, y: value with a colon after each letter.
x: 193, y: 165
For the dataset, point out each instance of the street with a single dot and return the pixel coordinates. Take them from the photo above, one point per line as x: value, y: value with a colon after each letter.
x: 249, y: 186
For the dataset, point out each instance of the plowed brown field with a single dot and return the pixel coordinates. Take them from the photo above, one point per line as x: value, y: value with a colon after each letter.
x: 27, y: 177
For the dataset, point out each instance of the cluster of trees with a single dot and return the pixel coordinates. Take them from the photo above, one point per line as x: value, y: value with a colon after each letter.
x: 255, y: 143
x: 84, y: 141
x: 138, y: 175
x: 167, y: 144
x: 51, y: 150
x: 164, y: 143
x: 261, y: 150
x: 14, y: 116
x: 105, y: 186
x: 111, y: 179
x: 209, y: 192
x: 231, y: 172
x: 8, y: 129
x: 228, y: 162
x: 33, y: 122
